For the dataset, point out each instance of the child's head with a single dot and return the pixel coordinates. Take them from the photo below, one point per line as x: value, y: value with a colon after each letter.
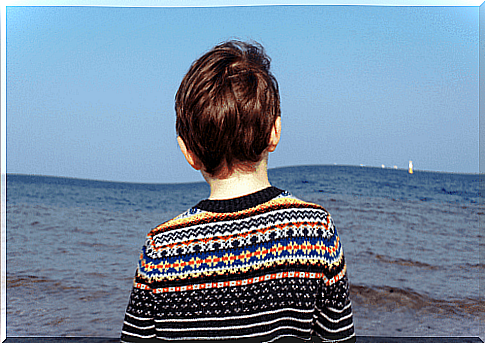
x: 226, y: 107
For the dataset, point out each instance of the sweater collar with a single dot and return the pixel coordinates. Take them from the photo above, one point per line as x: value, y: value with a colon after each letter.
x: 240, y: 203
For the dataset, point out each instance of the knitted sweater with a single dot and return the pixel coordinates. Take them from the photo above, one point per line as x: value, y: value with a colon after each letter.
x: 259, y: 267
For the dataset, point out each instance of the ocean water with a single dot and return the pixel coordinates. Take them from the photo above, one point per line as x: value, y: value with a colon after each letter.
x: 411, y: 244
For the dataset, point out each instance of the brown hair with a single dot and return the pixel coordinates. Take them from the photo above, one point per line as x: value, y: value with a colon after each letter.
x: 227, y: 105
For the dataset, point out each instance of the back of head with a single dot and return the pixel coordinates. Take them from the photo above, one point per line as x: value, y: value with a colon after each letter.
x: 227, y: 105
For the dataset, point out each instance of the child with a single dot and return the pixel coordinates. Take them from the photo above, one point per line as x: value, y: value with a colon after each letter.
x: 251, y: 262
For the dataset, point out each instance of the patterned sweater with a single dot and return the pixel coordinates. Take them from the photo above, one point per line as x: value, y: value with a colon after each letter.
x: 257, y: 268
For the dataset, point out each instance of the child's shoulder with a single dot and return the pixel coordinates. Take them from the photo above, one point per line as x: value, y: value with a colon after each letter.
x: 187, y: 218
x: 195, y: 216
x: 290, y: 199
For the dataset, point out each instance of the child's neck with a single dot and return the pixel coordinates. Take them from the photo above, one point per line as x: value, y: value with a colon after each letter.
x: 239, y: 183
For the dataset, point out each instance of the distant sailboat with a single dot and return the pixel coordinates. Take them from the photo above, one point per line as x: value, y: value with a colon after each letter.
x: 410, y: 167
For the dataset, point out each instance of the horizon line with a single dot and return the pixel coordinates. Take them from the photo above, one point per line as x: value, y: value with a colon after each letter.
x: 269, y: 169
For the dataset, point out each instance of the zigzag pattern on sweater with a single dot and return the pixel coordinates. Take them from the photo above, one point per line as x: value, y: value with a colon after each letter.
x: 277, y: 222
x: 233, y: 243
x: 199, y: 217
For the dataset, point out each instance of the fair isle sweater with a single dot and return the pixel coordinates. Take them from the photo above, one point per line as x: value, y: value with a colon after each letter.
x: 256, y: 268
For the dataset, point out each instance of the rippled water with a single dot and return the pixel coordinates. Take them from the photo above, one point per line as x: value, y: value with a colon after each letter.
x: 411, y: 244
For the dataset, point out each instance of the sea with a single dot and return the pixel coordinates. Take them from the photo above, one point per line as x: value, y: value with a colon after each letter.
x: 411, y: 242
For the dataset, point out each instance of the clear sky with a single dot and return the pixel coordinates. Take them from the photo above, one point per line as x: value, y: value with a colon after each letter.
x: 90, y: 90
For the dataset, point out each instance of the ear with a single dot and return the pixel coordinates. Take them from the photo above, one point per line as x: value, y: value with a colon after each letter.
x: 275, y: 135
x: 189, y: 155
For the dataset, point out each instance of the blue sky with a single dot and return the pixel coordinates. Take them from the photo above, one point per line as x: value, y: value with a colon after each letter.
x: 90, y: 90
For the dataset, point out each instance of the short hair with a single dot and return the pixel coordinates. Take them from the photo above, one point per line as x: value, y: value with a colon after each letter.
x: 227, y: 105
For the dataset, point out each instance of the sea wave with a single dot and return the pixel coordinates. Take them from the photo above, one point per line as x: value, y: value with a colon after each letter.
x: 387, y: 298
